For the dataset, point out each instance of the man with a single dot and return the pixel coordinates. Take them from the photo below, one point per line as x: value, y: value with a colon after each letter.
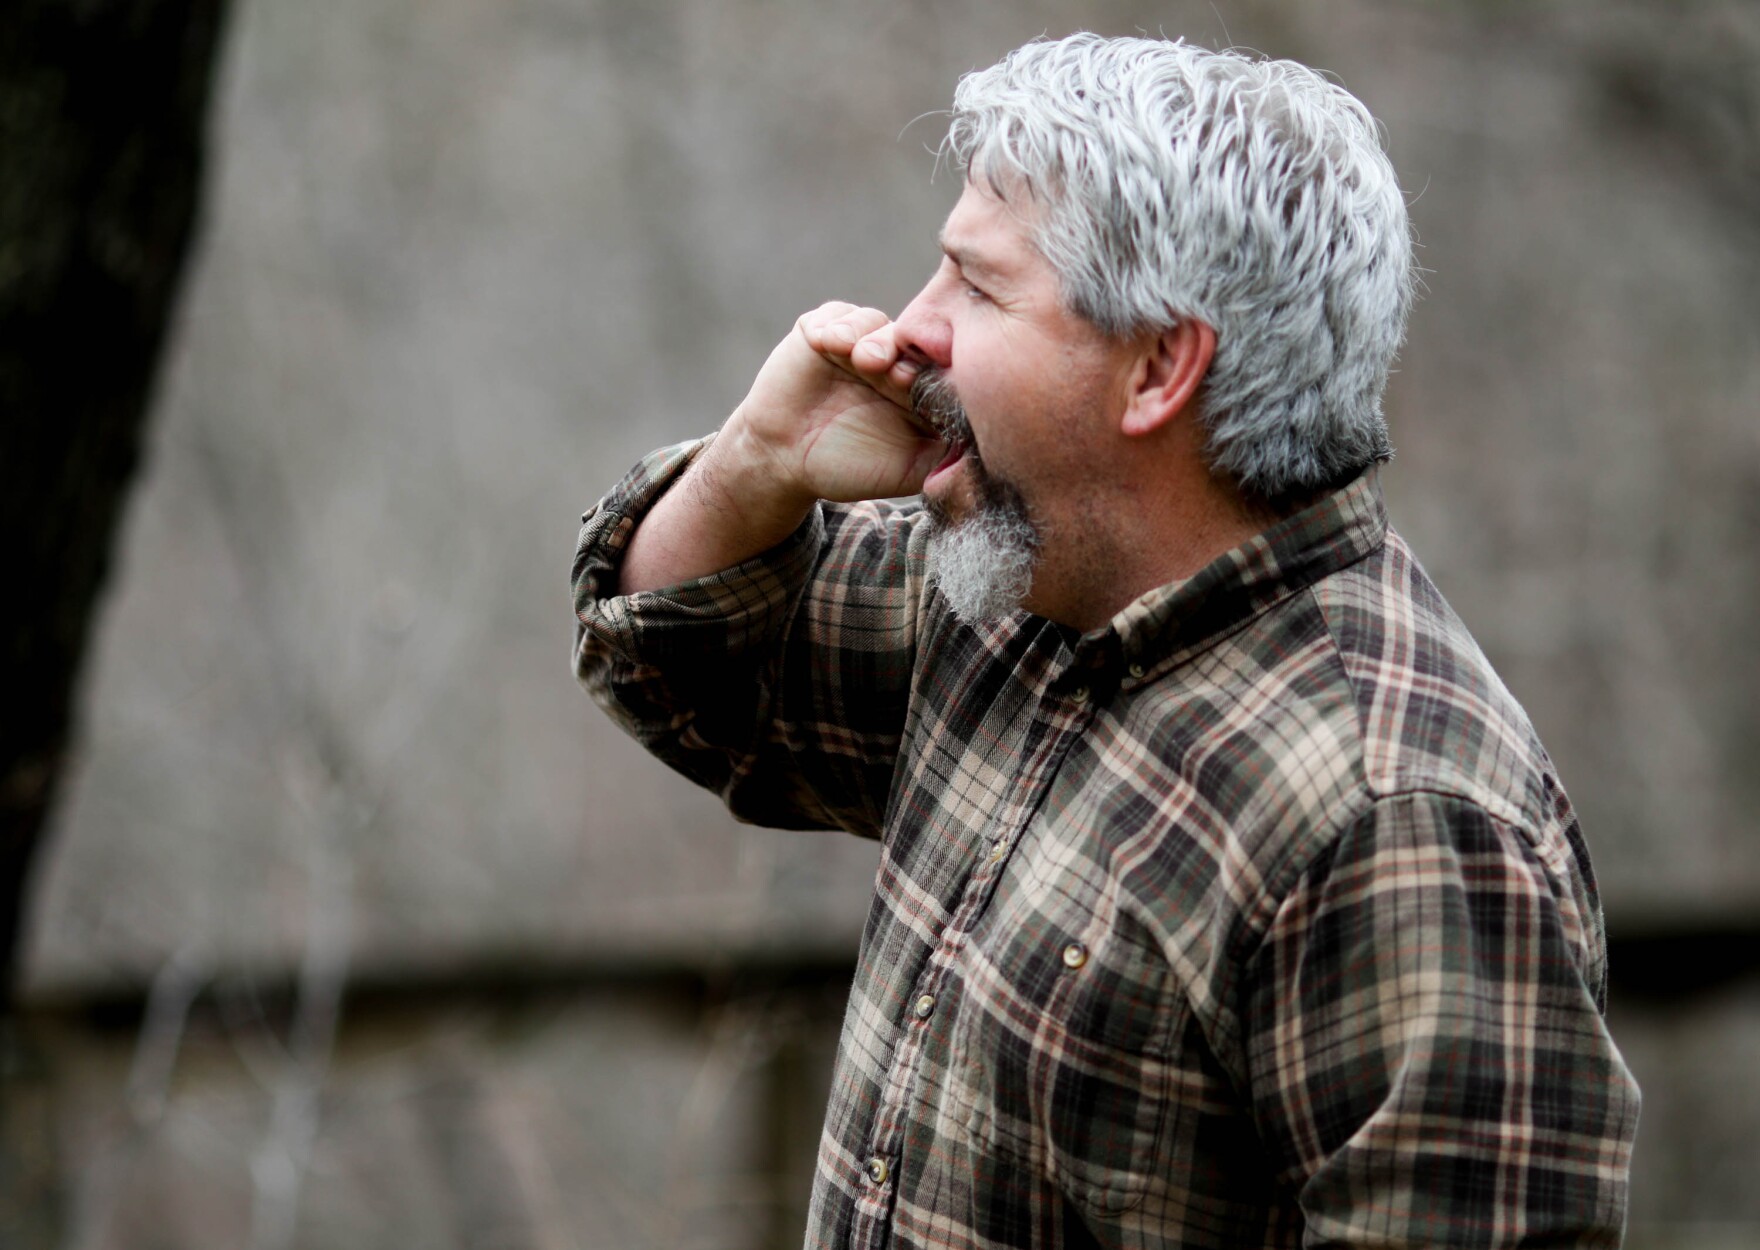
x: 1226, y: 898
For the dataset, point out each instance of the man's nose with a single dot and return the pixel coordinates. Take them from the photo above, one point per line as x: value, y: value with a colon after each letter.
x: 922, y: 331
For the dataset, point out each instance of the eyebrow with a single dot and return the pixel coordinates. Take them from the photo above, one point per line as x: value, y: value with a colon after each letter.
x: 969, y: 261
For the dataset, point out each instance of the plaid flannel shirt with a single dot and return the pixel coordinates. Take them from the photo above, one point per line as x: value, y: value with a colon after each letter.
x: 1257, y: 918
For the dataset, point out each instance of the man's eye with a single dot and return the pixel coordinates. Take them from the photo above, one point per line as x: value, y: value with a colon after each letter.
x: 973, y: 292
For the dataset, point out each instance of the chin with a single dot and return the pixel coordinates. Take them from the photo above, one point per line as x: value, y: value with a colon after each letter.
x: 982, y: 551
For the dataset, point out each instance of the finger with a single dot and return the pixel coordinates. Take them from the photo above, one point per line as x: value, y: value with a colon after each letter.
x: 812, y: 324
x: 840, y: 334
x: 903, y: 374
x: 880, y: 362
x: 876, y: 352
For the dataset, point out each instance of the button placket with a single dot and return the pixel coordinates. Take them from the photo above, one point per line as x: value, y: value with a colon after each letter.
x: 1062, y: 718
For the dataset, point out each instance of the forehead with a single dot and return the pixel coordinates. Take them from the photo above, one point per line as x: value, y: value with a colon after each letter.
x: 987, y: 232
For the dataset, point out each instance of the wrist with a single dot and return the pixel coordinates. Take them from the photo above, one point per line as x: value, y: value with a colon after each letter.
x: 741, y: 475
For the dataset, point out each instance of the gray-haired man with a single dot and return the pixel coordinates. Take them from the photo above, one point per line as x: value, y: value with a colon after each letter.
x: 1226, y: 898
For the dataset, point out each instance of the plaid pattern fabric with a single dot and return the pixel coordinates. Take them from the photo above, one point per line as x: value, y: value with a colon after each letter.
x: 1257, y: 918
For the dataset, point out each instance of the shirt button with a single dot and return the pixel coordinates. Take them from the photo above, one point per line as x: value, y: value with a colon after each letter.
x: 1079, y: 694
x: 1136, y: 670
x: 1075, y: 955
x: 999, y: 849
x: 925, y: 1007
x: 877, y: 1170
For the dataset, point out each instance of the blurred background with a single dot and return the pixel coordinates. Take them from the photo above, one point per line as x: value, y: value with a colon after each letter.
x: 352, y: 924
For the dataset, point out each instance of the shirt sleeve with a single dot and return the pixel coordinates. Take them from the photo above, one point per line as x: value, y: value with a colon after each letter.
x: 781, y: 683
x: 1428, y: 1060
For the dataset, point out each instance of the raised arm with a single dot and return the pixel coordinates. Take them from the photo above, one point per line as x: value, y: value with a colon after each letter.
x: 764, y: 657
x: 828, y: 417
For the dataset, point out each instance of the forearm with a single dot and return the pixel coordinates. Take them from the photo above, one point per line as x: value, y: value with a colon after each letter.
x: 699, y: 673
x: 728, y: 507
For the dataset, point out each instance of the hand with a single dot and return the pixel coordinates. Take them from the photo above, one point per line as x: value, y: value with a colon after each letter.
x: 829, y: 415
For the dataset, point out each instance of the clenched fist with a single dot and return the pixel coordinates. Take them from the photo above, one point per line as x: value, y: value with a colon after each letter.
x: 828, y: 417
x: 830, y: 411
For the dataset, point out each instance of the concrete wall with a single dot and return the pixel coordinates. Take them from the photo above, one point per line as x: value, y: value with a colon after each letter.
x: 467, y: 259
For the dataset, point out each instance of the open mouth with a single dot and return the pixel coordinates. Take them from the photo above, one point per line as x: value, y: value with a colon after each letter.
x: 936, y: 405
x: 956, y: 454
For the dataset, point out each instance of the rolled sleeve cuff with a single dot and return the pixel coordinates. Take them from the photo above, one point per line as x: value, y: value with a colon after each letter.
x: 724, y: 612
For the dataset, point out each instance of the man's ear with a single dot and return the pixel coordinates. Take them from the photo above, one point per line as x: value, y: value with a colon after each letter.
x: 1168, y: 375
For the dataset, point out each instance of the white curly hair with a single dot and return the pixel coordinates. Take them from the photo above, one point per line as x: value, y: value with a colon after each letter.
x: 1252, y: 194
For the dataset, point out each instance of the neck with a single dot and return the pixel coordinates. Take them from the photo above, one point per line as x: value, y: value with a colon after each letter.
x: 1159, y: 525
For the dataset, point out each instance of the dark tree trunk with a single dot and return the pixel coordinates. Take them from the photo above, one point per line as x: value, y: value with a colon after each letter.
x: 102, y: 110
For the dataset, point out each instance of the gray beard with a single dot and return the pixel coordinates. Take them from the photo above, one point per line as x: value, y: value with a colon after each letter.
x: 982, y: 561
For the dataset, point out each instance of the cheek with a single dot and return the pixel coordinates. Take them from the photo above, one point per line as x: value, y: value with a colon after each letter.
x: 1022, y: 399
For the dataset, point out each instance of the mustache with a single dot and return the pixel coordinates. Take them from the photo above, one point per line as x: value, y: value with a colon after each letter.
x: 935, y: 400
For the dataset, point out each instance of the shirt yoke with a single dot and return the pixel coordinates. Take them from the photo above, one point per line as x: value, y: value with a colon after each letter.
x: 1432, y: 714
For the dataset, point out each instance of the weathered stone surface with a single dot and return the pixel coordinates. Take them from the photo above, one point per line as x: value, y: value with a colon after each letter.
x: 460, y: 270
x: 589, y: 1122
x: 1699, y: 1065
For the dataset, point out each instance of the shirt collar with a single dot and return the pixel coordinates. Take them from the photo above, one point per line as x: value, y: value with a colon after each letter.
x: 1170, y: 622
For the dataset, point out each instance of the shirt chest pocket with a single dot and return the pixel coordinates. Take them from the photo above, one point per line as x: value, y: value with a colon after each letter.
x: 1063, y: 1044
